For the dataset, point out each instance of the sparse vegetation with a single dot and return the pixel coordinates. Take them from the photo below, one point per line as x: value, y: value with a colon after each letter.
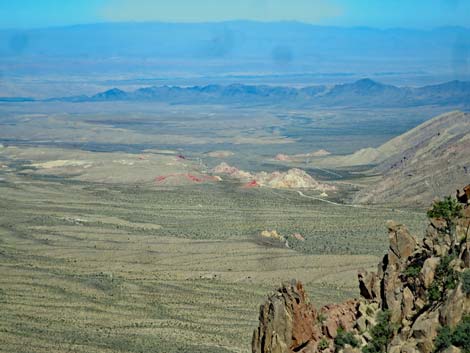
x: 466, y: 281
x: 381, y: 334
x: 343, y: 338
x: 447, y: 209
x: 412, y: 270
x: 95, y: 249
x: 459, y: 337
x: 321, y: 318
x: 445, y: 279
x: 443, y: 339
x: 129, y: 254
x: 323, y: 344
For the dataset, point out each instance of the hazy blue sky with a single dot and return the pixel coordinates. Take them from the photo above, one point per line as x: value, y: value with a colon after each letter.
x: 375, y: 13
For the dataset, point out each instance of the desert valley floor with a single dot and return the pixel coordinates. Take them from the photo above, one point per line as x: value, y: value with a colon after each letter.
x: 141, y: 229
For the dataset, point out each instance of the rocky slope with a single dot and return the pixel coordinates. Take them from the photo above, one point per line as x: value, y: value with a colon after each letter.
x: 426, y: 161
x: 417, y: 301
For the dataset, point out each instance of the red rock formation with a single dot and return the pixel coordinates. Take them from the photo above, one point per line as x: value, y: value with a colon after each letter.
x: 287, y: 322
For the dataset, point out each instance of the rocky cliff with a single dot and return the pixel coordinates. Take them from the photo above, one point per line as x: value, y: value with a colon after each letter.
x: 418, y: 300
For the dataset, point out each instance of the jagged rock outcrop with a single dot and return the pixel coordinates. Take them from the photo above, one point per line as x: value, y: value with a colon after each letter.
x: 339, y: 316
x: 418, y: 284
x: 288, y: 322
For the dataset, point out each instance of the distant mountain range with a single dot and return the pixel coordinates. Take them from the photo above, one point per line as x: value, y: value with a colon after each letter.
x: 362, y: 93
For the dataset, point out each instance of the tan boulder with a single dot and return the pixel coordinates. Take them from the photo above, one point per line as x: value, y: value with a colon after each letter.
x: 369, y: 285
x: 402, y: 243
x: 424, y: 330
x: 455, y: 307
x: 409, y: 348
x: 438, y: 223
x: 420, y: 303
x: 428, y: 271
x: 361, y: 324
x: 392, y: 289
x: 465, y: 255
x: 407, y: 303
x: 402, y: 246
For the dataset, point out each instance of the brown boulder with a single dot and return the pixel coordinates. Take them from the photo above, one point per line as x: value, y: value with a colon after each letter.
x: 455, y: 307
x: 428, y: 271
x: 402, y: 243
x: 369, y: 285
x: 465, y: 254
x: 392, y: 292
x: 408, y: 303
x: 424, y: 330
x: 339, y: 315
x: 287, y: 322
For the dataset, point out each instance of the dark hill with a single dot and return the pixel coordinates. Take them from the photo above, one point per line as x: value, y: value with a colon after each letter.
x: 362, y: 93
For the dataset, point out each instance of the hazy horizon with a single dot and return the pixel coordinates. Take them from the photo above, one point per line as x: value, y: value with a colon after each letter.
x: 344, y: 13
x: 239, y: 20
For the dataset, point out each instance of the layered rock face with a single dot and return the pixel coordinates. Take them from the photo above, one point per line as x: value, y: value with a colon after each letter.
x: 418, y: 284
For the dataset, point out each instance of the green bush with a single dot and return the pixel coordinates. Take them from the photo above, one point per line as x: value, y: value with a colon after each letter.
x: 448, y: 209
x: 445, y: 278
x: 343, y: 338
x: 412, y: 271
x: 443, y: 339
x: 459, y: 337
x: 466, y: 281
x: 382, y: 334
x: 323, y: 344
x: 434, y: 293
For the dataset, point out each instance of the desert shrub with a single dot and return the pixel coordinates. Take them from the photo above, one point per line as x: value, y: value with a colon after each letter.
x: 445, y: 278
x: 448, y: 209
x: 382, y: 334
x: 459, y: 337
x: 443, y: 339
x: 434, y: 293
x: 412, y: 270
x: 321, y: 318
x: 323, y: 344
x: 466, y: 281
x: 343, y: 338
